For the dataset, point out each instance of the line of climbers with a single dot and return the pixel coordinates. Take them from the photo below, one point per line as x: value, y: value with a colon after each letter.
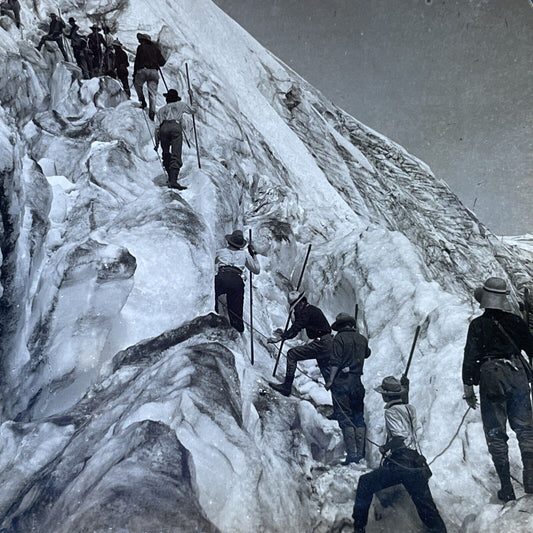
x: 100, y: 54
x: 492, y: 359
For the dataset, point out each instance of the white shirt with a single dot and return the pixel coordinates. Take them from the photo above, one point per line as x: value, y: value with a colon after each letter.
x: 240, y: 259
x: 173, y: 111
x: 400, y: 421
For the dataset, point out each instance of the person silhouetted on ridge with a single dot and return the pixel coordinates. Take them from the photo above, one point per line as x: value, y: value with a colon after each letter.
x: 55, y: 33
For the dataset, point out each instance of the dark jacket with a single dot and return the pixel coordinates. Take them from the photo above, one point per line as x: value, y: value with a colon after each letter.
x: 486, y: 340
x: 121, y: 58
x: 309, y: 317
x: 56, y: 27
x: 74, y: 36
x: 96, y: 43
x: 350, y: 349
x: 148, y: 56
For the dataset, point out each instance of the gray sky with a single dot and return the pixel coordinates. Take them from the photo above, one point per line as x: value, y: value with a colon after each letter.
x: 451, y: 80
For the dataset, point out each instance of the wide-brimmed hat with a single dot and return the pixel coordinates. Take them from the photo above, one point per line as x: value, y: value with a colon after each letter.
x: 116, y: 42
x: 172, y: 95
x: 144, y: 37
x: 95, y: 27
x: 236, y: 238
x: 342, y: 320
x: 493, y: 294
x: 390, y: 386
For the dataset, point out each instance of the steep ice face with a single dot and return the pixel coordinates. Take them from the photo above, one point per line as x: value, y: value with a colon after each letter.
x: 98, y: 255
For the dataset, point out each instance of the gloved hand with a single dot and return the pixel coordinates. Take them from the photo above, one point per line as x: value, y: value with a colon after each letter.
x: 404, y: 381
x: 276, y: 337
x: 251, y: 250
x: 470, y: 396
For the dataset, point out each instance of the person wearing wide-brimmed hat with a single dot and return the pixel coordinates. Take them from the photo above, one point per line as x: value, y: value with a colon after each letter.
x: 316, y: 325
x: 493, y: 360
x: 97, y: 45
x: 403, y: 463
x: 230, y: 263
x: 55, y: 33
x: 169, y: 131
x: 350, y: 349
x: 148, y: 60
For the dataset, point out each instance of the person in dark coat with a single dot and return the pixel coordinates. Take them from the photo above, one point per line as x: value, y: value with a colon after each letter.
x: 97, y: 45
x: 350, y: 349
x: 55, y: 33
x: 316, y: 325
x: 121, y: 66
x: 169, y: 131
x: 148, y: 60
x: 75, y: 40
x: 403, y: 463
x: 231, y: 263
x: 493, y: 360
x: 11, y: 8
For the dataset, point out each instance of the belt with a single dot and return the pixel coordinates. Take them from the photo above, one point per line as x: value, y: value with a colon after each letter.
x: 230, y: 268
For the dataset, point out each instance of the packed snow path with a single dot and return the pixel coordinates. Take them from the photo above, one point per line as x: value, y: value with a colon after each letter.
x: 98, y: 255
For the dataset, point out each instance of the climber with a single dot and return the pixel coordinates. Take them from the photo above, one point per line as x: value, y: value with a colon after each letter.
x: 85, y: 60
x: 121, y: 66
x: 108, y: 63
x: 169, y: 131
x: 312, y: 319
x: 55, y: 33
x: 230, y: 263
x: 97, y: 45
x: 148, y: 60
x: 75, y: 41
x: 11, y: 8
x: 350, y: 349
x: 493, y: 360
x: 402, y: 463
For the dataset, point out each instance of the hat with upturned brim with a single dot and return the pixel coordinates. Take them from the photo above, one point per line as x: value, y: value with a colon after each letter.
x: 343, y: 320
x: 144, y: 37
x: 236, y: 239
x: 493, y: 294
x: 390, y: 386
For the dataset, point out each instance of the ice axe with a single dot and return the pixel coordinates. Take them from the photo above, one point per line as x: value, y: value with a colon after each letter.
x: 405, y: 392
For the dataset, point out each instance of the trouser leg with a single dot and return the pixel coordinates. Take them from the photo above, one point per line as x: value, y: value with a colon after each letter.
x: 417, y: 487
x: 175, y: 151
x: 138, y: 82
x: 368, y: 485
x: 59, y: 41
x: 123, y: 77
x: 232, y: 285
x: 299, y: 353
x: 152, y: 84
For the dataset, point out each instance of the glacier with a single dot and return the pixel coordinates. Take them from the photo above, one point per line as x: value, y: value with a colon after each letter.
x: 127, y: 404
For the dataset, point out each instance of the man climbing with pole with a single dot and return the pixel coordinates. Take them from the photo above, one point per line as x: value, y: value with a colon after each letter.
x: 230, y: 263
x: 289, y: 317
x: 493, y: 360
x: 350, y: 349
x: 316, y: 325
x: 403, y: 463
x: 169, y: 132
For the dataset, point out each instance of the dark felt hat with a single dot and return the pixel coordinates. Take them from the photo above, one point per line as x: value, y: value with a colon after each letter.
x: 390, y: 386
x: 236, y: 239
x: 144, y: 37
x: 343, y: 320
x: 172, y: 95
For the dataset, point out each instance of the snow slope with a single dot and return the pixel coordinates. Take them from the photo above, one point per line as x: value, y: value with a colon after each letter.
x: 97, y: 256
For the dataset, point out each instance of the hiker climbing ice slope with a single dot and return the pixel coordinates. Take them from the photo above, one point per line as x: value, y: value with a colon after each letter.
x: 316, y: 325
x: 493, y: 360
x: 55, y: 34
x: 402, y: 464
x: 169, y: 132
x: 148, y: 60
x: 350, y: 349
x: 121, y: 65
x: 230, y: 264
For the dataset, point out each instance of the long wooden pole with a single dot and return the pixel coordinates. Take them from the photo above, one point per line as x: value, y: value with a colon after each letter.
x: 289, y: 317
x: 251, y: 309
x: 193, y: 118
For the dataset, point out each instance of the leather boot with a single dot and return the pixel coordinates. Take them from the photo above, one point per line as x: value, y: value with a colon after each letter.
x: 283, y: 388
x: 349, y: 443
x: 506, y: 493
x: 360, y: 442
x: 527, y: 460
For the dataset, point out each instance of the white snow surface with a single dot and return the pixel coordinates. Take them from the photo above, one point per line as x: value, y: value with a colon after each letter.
x: 99, y: 255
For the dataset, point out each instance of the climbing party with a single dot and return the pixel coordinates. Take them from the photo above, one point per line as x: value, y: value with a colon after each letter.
x: 229, y: 306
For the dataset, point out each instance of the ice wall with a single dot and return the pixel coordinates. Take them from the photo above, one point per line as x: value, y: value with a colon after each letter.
x: 98, y: 255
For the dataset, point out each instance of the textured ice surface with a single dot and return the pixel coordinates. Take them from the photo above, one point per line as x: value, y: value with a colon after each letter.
x: 126, y: 407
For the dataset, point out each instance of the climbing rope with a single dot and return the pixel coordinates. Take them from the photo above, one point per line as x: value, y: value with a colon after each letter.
x: 442, y: 452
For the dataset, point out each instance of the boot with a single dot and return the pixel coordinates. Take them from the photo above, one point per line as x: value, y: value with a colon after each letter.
x: 527, y: 460
x: 506, y: 492
x: 177, y: 186
x: 284, y: 388
x: 348, y: 433
x: 359, y: 530
x: 143, y: 103
x: 151, y: 114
